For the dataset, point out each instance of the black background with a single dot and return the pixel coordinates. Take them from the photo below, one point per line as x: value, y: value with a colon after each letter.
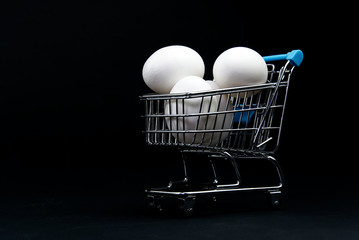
x: 71, y: 81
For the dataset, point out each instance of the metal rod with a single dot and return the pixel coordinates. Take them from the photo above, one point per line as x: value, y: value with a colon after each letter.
x: 214, y: 191
x: 214, y: 171
x: 236, y: 170
x: 184, y: 167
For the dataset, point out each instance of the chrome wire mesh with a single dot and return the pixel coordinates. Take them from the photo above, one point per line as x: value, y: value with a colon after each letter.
x: 234, y: 119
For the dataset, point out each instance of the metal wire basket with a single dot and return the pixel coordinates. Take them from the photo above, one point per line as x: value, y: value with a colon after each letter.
x: 233, y: 123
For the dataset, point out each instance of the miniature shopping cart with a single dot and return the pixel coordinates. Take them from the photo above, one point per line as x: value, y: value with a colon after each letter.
x: 230, y: 124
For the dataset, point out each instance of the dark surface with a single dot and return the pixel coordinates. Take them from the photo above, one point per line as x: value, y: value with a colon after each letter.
x: 74, y: 164
x: 314, y: 208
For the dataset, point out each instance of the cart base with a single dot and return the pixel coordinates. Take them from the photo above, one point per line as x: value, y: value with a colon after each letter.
x: 185, y: 194
x: 186, y: 202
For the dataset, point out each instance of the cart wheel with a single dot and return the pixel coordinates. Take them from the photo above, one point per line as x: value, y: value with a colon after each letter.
x: 154, y: 204
x: 274, y: 199
x: 211, y: 200
x: 186, y: 205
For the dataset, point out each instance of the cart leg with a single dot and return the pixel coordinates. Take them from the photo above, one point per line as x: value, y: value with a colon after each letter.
x: 184, y: 158
x: 184, y: 182
x: 274, y: 196
x: 274, y: 199
x: 279, y: 170
x: 215, y: 181
x: 236, y: 170
x: 212, y: 199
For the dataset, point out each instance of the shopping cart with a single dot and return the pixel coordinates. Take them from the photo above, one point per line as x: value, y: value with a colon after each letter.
x: 231, y: 124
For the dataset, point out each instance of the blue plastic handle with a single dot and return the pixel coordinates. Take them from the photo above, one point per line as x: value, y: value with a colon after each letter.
x: 295, y: 57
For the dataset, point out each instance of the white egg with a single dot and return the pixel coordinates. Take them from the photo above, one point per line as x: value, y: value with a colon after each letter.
x: 176, y: 107
x: 239, y: 66
x: 165, y: 67
x: 223, y: 121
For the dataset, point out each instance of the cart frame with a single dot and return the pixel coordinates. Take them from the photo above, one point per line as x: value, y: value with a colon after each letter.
x: 232, y: 124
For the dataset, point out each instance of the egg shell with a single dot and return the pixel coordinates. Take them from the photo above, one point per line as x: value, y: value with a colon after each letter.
x: 223, y: 121
x: 165, y: 67
x: 239, y: 66
x: 191, y: 106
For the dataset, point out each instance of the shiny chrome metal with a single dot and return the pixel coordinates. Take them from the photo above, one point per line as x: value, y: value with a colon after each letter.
x: 246, y: 123
x: 236, y: 170
x: 227, y: 187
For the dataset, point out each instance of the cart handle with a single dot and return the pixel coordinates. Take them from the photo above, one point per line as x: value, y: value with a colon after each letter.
x: 295, y: 57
